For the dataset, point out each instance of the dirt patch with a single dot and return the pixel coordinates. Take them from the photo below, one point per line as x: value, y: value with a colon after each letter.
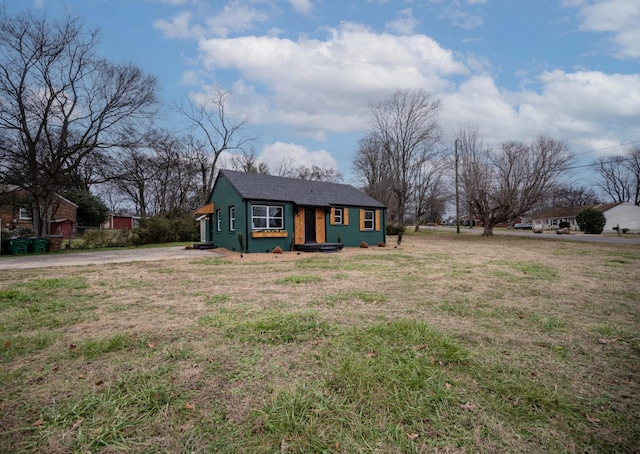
x: 287, y: 255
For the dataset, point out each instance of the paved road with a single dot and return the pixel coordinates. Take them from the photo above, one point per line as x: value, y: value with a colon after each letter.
x: 627, y: 239
x: 98, y: 258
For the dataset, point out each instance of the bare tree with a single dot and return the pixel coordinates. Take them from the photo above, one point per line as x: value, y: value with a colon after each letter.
x: 499, y: 186
x: 567, y: 196
x: 402, y: 139
x: 288, y: 168
x: 620, y: 176
x: 370, y: 168
x: 317, y: 173
x: 175, y: 183
x: 59, y: 105
x: 248, y: 162
x: 132, y: 169
x: 431, y: 195
x: 219, y: 131
x: 158, y: 174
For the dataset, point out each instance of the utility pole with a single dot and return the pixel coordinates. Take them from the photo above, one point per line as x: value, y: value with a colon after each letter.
x: 457, y: 194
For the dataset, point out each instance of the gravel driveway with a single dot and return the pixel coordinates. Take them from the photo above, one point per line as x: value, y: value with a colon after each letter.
x: 97, y: 258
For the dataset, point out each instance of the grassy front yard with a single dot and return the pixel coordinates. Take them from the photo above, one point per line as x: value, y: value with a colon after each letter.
x: 445, y: 344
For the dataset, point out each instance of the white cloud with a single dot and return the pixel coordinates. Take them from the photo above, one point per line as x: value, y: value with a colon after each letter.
x: 275, y: 154
x: 618, y: 18
x: 460, y: 15
x: 191, y: 78
x: 327, y: 84
x: 177, y: 27
x: 170, y: 2
x: 302, y: 6
x: 234, y: 17
x: 593, y: 95
x: 588, y: 109
x: 404, y: 23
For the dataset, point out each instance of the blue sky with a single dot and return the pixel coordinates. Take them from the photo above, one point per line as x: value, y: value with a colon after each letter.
x: 304, y: 72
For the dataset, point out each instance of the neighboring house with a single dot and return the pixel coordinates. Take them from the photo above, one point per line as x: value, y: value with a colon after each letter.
x: 470, y: 221
x: 121, y: 221
x: 15, y: 216
x: 272, y: 211
x: 621, y: 214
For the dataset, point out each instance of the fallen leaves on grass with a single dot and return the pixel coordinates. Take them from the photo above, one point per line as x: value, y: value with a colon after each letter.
x: 257, y: 426
x: 592, y: 419
x: 77, y: 424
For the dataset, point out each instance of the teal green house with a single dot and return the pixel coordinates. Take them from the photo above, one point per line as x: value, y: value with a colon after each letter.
x: 270, y: 211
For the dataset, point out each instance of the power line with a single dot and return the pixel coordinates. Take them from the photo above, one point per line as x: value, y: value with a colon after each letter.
x: 608, y: 148
x: 595, y: 164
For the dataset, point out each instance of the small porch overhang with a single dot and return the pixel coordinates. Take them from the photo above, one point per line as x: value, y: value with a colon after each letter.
x: 204, y: 210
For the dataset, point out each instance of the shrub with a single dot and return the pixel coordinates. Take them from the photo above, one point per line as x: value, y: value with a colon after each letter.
x: 94, y: 239
x: 167, y: 230
x: 277, y: 250
x: 395, y: 229
x: 381, y: 244
x: 591, y: 220
x: 364, y: 245
x: 98, y: 238
x: 241, y: 243
x: 564, y: 225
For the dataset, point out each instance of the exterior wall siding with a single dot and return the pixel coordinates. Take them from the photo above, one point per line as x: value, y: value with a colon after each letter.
x: 224, y: 196
x: 350, y: 231
x: 267, y: 244
x: 626, y: 216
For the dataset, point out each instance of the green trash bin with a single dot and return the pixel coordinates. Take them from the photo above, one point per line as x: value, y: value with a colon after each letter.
x: 17, y: 246
x: 38, y: 244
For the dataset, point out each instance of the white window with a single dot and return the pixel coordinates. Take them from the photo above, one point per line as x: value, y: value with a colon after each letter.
x: 369, y: 222
x: 337, y: 216
x: 24, y: 214
x: 219, y: 220
x: 232, y: 218
x: 265, y: 217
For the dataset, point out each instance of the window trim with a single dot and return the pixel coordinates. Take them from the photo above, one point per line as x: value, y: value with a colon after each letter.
x: 24, y: 215
x: 232, y: 218
x: 218, y: 220
x: 338, y: 216
x: 267, y: 218
x: 372, y: 220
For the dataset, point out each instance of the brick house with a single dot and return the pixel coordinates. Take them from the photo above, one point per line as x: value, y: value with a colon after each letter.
x: 14, y: 215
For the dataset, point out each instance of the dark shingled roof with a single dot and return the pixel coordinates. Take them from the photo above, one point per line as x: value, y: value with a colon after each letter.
x: 255, y: 186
